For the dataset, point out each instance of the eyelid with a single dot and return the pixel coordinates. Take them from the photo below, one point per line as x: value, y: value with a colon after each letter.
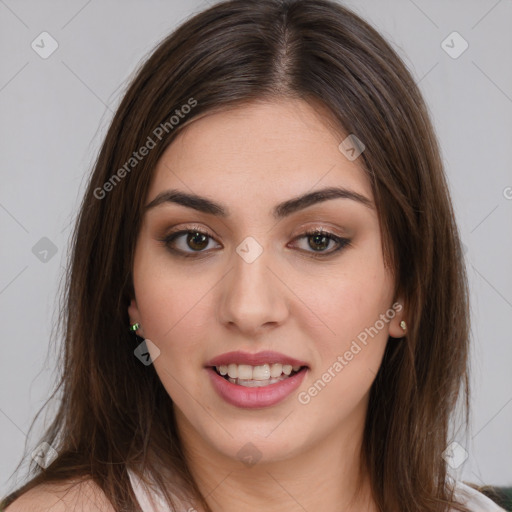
x: 321, y: 227
x: 190, y: 227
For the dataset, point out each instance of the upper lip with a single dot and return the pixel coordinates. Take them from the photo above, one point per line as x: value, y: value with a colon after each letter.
x: 259, y: 358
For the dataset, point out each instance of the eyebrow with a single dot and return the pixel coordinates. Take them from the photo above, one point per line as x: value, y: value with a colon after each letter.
x: 280, y: 211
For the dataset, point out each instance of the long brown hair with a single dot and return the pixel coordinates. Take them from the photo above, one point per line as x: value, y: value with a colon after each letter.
x: 114, y: 413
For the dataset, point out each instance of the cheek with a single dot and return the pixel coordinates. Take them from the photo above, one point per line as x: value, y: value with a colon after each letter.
x: 174, y: 311
x: 344, y: 305
x: 170, y: 302
x: 350, y: 345
x: 169, y: 295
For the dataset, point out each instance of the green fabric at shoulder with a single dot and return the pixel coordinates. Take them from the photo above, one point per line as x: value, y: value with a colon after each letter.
x: 500, y: 495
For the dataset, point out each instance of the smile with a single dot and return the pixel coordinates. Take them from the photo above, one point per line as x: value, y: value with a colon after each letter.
x: 255, y: 380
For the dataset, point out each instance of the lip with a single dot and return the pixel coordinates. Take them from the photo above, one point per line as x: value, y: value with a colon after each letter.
x: 265, y: 357
x: 257, y: 397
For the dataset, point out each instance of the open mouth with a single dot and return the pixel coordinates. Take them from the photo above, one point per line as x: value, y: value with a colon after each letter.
x: 257, y: 376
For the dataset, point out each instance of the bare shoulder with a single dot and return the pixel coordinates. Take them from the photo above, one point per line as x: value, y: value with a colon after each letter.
x: 85, y: 496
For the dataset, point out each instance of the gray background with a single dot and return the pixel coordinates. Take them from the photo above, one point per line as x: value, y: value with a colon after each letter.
x: 55, y: 111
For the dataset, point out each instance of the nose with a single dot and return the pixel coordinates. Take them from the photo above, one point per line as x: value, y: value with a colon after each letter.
x: 253, y: 299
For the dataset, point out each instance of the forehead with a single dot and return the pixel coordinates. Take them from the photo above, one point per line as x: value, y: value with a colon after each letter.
x: 274, y: 149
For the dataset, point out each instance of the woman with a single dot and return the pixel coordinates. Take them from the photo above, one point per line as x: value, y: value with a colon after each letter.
x: 267, y: 305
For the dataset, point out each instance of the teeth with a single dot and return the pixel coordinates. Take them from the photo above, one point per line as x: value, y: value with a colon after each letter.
x: 257, y: 383
x: 260, y: 372
x: 233, y: 371
x: 256, y: 373
x: 276, y: 370
x: 244, y: 372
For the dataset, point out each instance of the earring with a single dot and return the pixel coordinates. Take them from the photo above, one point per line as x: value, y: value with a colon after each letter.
x: 134, y: 327
x: 403, y: 325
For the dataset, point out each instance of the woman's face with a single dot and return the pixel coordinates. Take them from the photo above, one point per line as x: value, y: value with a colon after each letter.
x: 252, y: 281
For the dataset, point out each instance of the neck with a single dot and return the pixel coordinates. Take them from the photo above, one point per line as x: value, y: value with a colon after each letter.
x: 327, y: 476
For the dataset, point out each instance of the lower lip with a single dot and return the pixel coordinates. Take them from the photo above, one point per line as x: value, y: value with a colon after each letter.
x: 254, y: 398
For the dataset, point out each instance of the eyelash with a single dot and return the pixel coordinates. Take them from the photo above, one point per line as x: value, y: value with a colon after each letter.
x: 167, y: 241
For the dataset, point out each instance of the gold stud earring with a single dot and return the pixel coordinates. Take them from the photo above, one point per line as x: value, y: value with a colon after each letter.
x: 403, y: 325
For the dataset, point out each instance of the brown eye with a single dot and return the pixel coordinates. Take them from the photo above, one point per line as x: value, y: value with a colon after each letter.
x: 319, y: 240
x: 194, y: 243
x: 197, y: 241
x: 188, y: 242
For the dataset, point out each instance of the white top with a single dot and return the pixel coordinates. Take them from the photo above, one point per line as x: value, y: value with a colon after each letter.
x: 474, y: 500
x: 152, y: 502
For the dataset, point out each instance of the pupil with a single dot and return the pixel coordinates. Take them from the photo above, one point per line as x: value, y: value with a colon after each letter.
x: 195, y: 239
x: 318, y: 240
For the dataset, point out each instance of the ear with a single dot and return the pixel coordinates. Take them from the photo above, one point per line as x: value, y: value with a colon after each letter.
x: 134, y: 315
x: 395, y: 329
